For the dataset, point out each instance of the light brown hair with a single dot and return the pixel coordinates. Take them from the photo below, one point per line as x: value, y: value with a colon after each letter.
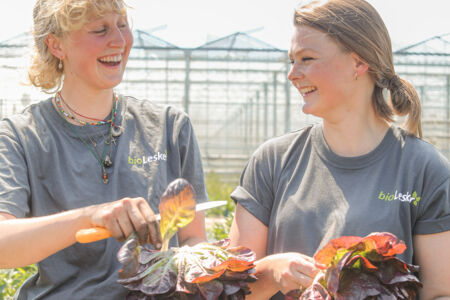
x: 60, y: 17
x: 357, y: 27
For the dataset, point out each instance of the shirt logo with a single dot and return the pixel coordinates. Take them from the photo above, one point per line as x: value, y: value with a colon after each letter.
x: 410, y: 198
x: 133, y: 160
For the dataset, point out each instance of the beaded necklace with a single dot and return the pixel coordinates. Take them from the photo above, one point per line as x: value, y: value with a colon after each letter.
x: 67, y: 115
x: 103, y: 161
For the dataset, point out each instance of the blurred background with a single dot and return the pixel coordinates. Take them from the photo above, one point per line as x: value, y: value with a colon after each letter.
x: 225, y: 64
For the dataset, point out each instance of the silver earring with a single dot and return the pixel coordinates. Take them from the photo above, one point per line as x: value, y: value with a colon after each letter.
x: 60, y: 65
x: 356, y: 75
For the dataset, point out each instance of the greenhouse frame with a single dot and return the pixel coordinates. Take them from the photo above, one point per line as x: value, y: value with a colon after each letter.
x: 235, y: 89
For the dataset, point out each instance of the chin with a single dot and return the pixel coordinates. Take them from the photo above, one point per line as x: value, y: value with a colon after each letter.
x: 307, y: 109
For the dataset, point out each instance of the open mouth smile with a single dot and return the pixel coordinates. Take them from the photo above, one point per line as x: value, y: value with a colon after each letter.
x: 112, y: 60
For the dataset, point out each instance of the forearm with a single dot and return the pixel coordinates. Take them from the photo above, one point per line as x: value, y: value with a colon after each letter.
x: 30, y: 240
x: 264, y: 287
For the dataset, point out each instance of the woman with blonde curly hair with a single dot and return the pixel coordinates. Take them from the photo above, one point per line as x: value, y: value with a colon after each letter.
x: 87, y: 157
x: 354, y: 173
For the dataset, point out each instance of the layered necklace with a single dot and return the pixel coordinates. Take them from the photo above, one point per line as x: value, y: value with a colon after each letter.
x: 104, y: 160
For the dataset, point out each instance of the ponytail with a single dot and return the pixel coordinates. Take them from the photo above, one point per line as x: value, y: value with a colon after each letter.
x: 404, y: 100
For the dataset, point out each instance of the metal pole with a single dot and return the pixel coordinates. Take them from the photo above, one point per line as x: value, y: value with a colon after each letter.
x: 275, y: 103
x: 266, y: 103
x: 250, y: 122
x: 257, y: 117
x: 187, y: 82
x: 447, y: 124
x: 287, y: 111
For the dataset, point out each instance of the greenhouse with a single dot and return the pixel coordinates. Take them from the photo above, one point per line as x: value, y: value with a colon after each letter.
x: 235, y: 89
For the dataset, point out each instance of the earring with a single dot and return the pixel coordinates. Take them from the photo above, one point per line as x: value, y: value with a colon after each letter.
x: 356, y: 75
x: 60, y: 65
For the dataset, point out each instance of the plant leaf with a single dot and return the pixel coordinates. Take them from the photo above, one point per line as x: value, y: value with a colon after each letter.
x: 384, y: 243
x: 177, y: 209
x: 315, y: 292
x: 325, y: 256
x: 128, y: 256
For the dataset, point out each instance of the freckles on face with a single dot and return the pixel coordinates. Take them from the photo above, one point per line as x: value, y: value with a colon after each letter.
x: 98, y: 52
x: 319, y: 67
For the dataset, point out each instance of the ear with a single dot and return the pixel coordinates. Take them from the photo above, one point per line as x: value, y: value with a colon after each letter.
x: 55, y: 46
x: 360, y: 65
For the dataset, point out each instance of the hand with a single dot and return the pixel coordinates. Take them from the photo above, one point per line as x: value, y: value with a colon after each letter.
x: 289, y: 271
x: 122, y: 217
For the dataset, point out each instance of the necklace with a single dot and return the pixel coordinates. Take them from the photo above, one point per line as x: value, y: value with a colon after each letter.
x: 77, y: 113
x: 104, y: 161
x: 67, y: 115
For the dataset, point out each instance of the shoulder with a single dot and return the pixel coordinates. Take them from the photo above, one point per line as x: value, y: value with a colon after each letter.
x: 286, y: 143
x: 148, y: 108
x: 26, y: 120
x: 422, y: 156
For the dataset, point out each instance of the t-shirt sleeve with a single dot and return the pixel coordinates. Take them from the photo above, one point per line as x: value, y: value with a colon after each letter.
x: 191, y: 160
x: 255, y: 190
x: 14, y: 185
x: 435, y: 216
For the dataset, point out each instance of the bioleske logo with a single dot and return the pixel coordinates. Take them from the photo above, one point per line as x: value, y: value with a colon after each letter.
x: 133, y: 160
x: 410, y: 198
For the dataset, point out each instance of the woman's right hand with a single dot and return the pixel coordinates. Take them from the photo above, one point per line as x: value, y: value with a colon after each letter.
x: 289, y: 271
x: 124, y: 216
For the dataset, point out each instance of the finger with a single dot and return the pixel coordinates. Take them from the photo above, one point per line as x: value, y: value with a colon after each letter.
x: 152, y: 224
x: 139, y: 223
x: 305, y: 266
x: 302, y: 280
x: 121, y: 213
x: 115, y: 230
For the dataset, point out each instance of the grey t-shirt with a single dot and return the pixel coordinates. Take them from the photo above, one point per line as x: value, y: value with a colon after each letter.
x: 307, y: 195
x: 46, y: 169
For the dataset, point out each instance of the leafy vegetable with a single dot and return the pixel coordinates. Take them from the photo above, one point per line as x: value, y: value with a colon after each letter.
x: 356, y: 268
x: 203, y: 271
x: 177, y: 209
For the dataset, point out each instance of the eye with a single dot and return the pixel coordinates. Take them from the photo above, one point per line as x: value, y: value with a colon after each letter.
x: 307, y: 58
x: 291, y: 61
x: 99, y: 31
x: 123, y: 25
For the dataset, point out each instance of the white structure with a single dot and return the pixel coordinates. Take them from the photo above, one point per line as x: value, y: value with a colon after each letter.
x: 236, y: 91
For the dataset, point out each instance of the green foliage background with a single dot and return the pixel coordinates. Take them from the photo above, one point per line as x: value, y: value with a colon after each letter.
x: 221, y: 218
x: 12, y: 279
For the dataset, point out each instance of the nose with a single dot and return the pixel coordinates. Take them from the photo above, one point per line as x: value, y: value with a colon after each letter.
x: 118, y: 38
x: 295, y: 73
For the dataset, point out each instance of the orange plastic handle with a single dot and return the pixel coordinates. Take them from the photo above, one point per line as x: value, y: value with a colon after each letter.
x: 92, y: 235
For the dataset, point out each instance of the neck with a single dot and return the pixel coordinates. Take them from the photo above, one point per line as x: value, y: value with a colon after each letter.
x: 96, y: 105
x: 354, y: 137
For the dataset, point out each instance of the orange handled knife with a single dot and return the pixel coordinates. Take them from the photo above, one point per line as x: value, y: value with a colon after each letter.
x: 99, y: 233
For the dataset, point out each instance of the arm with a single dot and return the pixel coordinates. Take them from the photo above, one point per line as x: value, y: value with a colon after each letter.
x: 433, y: 257
x: 278, y: 272
x: 29, y: 240
x: 194, y: 232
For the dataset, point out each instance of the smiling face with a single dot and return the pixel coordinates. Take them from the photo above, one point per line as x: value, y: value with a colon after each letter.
x: 96, y: 54
x: 323, y: 73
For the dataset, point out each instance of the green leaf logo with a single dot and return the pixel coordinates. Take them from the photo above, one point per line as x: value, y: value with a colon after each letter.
x: 416, y: 198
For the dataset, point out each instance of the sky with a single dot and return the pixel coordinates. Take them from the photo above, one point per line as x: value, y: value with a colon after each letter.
x: 194, y: 22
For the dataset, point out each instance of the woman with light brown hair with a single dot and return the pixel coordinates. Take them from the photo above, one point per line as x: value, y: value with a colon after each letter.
x: 354, y: 173
x: 87, y: 157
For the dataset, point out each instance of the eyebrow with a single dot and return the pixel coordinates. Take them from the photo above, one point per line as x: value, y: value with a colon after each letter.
x: 299, y: 51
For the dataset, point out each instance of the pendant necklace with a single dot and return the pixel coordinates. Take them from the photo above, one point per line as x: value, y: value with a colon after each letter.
x: 103, y: 160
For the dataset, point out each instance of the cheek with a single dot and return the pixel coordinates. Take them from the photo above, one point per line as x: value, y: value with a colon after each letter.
x: 128, y: 37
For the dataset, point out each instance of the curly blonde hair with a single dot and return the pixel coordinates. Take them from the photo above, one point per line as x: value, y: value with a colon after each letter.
x: 59, y: 17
